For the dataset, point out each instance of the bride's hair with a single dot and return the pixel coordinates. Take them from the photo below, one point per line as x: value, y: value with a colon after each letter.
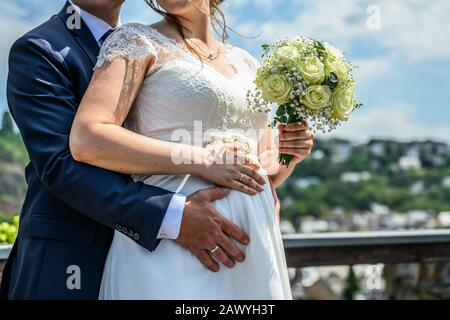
x: 217, y: 18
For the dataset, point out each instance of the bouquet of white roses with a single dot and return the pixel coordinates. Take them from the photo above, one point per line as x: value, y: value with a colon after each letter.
x: 309, y: 80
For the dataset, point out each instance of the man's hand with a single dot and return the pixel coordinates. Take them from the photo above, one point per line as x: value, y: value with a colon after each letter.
x: 203, y: 228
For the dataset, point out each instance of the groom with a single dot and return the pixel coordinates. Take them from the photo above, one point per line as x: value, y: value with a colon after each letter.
x: 71, y: 209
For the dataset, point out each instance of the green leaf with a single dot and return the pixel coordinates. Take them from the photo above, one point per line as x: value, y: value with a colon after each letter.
x: 281, y: 111
x: 282, y: 119
x: 332, y: 80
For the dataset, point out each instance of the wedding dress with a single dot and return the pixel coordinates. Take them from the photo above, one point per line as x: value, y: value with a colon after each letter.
x: 177, y: 95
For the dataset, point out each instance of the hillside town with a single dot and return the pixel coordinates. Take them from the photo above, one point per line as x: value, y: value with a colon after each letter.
x: 419, y: 171
x: 380, y: 185
x: 343, y: 186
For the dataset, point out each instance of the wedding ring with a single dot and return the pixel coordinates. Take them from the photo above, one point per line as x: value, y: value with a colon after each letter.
x: 241, y: 177
x: 214, y: 250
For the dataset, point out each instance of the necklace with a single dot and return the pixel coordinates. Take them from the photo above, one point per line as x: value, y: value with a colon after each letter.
x: 210, y: 56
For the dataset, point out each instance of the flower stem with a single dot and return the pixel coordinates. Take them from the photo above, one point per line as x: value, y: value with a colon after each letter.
x: 285, y: 159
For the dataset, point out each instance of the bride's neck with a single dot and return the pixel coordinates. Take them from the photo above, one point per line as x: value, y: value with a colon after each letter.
x: 198, y: 27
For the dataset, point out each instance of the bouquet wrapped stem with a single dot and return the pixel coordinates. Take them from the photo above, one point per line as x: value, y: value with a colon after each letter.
x: 285, y: 159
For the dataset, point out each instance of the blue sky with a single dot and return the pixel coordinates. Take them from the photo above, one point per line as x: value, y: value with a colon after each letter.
x: 401, y: 46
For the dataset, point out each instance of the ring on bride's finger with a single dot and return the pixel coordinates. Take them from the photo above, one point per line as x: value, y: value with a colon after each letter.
x: 241, y: 177
x: 214, y: 250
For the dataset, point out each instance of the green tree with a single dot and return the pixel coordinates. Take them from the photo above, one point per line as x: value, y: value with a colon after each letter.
x: 352, y: 286
x: 12, y: 148
x: 7, y: 125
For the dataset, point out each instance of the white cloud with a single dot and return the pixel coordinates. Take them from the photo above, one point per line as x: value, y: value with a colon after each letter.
x: 397, y: 120
x: 321, y: 19
x: 419, y: 29
x: 413, y: 29
x: 371, y: 69
x: 16, y: 20
x: 267, y: 4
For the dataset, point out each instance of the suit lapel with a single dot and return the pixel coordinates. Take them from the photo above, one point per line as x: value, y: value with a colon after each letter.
x: 82, y: 35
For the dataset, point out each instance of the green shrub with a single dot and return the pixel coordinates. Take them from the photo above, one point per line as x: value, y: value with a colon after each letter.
x: 8, y: 231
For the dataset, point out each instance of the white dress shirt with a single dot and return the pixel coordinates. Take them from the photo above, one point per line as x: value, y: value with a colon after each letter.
x: 170, y: 227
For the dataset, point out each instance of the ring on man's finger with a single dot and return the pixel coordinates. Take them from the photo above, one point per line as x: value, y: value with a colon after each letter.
x: 214, y: 250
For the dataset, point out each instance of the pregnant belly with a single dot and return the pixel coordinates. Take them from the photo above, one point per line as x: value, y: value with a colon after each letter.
x: 241, y: 208
x: 171, y: 272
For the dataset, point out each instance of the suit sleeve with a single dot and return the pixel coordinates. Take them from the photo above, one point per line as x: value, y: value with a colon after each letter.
x: 42, y: 101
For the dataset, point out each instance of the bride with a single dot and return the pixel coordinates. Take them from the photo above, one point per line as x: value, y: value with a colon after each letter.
x: 169, y: 84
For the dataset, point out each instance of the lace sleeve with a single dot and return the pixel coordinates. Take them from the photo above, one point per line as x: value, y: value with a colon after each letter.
x: 254, y: 64
x: 131, y: 42
x: 248, y: 61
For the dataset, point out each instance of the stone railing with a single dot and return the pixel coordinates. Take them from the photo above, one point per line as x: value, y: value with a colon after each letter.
x: 351, y: 248
x: 391, y: 248
x: 409, y: 264
x: 4, y: 253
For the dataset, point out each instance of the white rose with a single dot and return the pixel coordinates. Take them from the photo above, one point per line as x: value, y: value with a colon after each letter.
x: 287, y: 53
x: 332, y: 52
x: 343, y: 102
x: 312, y: 70
x: 339, y: 67
x: 316, y: 97
x: 276, y: 88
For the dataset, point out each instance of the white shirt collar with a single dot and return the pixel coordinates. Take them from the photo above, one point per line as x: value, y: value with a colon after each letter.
x: 97, y: 26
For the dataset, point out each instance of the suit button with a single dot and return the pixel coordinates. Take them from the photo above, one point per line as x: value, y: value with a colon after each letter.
x: 118, y: 227
x: 136, y: 236
x: 130, y: 233
x: 124, y: 230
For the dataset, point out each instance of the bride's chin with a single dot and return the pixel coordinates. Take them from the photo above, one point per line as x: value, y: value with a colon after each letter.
x: 177, y: 7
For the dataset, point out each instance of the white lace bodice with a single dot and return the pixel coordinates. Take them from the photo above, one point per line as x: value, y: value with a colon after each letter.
x: 179, y: 92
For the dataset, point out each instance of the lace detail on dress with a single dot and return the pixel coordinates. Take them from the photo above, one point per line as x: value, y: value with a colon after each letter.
x: 132, y: 41
x: 244, y: 116
x: 179, y: 91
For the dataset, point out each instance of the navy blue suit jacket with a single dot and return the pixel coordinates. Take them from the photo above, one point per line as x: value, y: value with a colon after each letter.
x: 71, y: 209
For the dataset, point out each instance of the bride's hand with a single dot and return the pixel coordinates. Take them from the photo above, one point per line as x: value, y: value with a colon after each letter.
x: 296, y: 139
x: 232, y: 169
